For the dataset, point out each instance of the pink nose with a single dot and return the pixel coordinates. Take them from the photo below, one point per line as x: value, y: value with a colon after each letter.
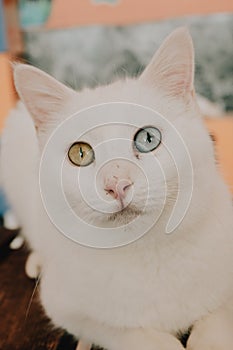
x: 117, y: 188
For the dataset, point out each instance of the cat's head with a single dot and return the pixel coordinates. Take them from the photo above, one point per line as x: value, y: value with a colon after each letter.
x: 129, y: 147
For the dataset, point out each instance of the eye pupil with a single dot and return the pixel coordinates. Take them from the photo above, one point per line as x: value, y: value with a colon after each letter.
x: 148, y: 137
x: 81, y: 152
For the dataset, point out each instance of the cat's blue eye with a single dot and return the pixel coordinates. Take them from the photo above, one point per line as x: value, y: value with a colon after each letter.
x: 147, y: 139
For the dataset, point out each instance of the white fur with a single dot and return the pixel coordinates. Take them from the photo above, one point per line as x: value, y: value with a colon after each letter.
x: 140, y: 295
x: 10, y: 221
x: 83, y: 346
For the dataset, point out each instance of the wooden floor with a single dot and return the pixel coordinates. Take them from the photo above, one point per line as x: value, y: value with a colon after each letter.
x: 23, y: 325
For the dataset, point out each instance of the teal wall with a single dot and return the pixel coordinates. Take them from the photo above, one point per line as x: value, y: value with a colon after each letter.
x: 2, y: 30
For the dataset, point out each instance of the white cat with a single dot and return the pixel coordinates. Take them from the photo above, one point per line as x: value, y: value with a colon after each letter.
x: 140, y: 295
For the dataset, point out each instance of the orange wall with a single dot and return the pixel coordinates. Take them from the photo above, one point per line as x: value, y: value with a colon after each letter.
x: 83, y: 12
x: 7, y: 95
x: 222, y: 130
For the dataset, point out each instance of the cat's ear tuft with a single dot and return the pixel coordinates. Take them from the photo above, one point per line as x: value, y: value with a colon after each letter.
x: 43, y: 96
x: 172, y: 67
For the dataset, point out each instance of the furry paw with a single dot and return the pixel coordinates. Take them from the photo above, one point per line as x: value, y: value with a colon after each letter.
x: 168, y: 342
x: 83, y: 346
x: 214, y: 333
x: 17, y: 242
x: 152, y: 340
x: 10, y: 221
x: 33, y: 265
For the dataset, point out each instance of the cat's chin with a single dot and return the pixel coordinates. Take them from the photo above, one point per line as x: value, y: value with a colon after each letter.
x: 123, y: 217
x: 116, y: 219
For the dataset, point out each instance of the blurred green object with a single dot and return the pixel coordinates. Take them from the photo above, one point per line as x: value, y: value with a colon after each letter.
x: 33, y: 13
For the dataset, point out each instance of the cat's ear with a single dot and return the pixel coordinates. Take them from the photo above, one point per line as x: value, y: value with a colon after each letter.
x: 172, y: 67
x: 43, y: 96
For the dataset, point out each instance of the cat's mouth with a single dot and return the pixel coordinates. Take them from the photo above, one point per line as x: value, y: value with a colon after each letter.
x: 126, y: 215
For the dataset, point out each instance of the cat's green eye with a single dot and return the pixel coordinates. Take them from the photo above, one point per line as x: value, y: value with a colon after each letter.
x: 81, y: 154
x: 147, y: 139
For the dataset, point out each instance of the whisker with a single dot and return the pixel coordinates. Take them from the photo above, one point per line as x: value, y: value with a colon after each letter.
x: 32, y: 296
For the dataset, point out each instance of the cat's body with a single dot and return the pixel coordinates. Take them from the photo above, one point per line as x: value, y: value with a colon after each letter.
x: 138, y: 295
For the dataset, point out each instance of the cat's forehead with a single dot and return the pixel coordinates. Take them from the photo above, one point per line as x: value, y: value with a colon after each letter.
x: 111, y: 131
x: 130, y: 92
x: 127, y: 91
